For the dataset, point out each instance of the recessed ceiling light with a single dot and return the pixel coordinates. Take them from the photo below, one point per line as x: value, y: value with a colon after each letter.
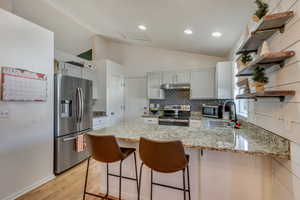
x: 216, y: 34
x: 142, y: 27
x: 188, y: 31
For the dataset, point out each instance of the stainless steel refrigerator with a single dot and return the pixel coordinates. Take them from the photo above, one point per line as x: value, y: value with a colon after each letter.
x: 73, y: 117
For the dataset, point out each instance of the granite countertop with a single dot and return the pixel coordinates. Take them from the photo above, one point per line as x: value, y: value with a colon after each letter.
x: 244, y: 140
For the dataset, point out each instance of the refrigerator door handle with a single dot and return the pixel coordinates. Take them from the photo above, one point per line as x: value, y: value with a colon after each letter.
x: 69, y: 139
x: 82, y: 103
x: 78, y: 104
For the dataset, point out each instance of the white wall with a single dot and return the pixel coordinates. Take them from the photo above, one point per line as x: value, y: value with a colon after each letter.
x: 6, y: 4
x: 141, y: 59
x: 26, y: 136
x: 283, y: 118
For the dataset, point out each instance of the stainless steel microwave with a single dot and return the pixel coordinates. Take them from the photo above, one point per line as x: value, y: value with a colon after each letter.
x: 213, y: 111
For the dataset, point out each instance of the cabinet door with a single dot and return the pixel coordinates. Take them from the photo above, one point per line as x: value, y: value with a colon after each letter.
x: 90, y: 74
x: 224, y: 80
x: 183, y: 77
x: 154, y: 83
x: 203, y: 84
x: 72, y: 70
x: 169, y: 77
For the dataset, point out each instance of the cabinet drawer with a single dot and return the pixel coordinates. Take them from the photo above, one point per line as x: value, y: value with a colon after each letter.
x: 99, y: 123
x: 195, y: 123
x: 151, y: 120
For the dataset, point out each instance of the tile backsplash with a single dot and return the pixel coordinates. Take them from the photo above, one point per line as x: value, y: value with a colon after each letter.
x: 182, y: 97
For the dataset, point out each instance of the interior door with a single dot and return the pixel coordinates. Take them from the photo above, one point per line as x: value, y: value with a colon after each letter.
x: 116, y: 99
x: 135, y: 98
x: 86, y: 96
x: 66, y: 105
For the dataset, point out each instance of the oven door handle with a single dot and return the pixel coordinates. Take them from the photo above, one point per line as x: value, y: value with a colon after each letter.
x: 174, y: 120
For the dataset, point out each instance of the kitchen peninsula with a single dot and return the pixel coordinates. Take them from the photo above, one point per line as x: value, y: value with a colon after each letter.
x: 217, y: 156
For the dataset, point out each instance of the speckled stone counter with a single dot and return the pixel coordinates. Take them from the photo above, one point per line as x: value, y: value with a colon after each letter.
x: 220, y: 139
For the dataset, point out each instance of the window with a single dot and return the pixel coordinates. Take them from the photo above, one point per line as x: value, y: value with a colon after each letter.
x: 241, y: 104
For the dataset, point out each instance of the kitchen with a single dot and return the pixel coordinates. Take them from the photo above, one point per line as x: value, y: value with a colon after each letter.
x: 241, y: 139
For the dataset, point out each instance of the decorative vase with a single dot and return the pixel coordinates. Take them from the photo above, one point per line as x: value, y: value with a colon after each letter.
x: 255, y: 18
x: 265, y: 49
x: 259, y: 87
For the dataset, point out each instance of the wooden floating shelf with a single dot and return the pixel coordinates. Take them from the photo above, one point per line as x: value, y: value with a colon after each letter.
x: 253, y: 43
x: 275, y: 21
x: 281, y: 94
x: 269, y: 25
x: 267, y: 60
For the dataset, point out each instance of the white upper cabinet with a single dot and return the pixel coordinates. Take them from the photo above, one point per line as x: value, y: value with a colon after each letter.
x: 90, y: 74
x: 224, y: 80
x: 183, y: 77
x: 70, y: 70
x: 176, y: 77
x: 110, y: 86
x: 169, y: 77
x: 154, y: 81
x: 203, y: 84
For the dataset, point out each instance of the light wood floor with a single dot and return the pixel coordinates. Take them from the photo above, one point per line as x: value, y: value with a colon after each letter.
x: 68, y: 186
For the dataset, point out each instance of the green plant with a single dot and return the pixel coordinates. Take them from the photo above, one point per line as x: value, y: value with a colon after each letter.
x: 246, y: 57
x: 260, y: 76
x: 262, y: 8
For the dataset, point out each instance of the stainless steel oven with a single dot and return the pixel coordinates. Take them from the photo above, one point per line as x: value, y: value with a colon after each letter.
x: 175, y: 115
x: 213, y: 111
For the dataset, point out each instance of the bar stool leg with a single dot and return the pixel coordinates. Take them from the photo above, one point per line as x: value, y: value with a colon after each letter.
x: 86, y: 177
x: 120, y: 180
x: 151, y: 192
x: 136, y: 173
x: 140, y: 181
x: 189, y: 186
x: 107, y: 180
x: 183, y: 173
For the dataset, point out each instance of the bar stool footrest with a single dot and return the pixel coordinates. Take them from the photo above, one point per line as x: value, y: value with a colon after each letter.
x: 115, y: 175
x: 103, y: 196
x: 172, y: 187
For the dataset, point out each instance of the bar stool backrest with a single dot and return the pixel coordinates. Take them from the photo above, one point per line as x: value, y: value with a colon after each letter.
x: 166, y: 157
x: 104, y: 148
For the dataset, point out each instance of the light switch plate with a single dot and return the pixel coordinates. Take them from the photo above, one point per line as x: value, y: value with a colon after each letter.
x: 4, y: 114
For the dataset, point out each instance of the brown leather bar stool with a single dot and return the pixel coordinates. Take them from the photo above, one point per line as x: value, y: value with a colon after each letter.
x: 164, y: 157
x: 106, y: 149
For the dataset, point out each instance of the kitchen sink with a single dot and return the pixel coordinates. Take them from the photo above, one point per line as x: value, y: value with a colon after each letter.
x: 218, y: 124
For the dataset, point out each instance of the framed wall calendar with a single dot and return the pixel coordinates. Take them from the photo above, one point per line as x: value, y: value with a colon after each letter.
x: 22, y: 85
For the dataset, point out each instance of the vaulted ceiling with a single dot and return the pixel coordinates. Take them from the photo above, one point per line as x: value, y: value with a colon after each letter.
x: 75, y: 21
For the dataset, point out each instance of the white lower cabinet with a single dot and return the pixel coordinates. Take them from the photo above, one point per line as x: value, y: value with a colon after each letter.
x: 100, y: 122
x: 203, y: 84
x: 195, y: 123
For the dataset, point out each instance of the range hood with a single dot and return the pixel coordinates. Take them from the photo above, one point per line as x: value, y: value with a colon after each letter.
x: 176, y: 86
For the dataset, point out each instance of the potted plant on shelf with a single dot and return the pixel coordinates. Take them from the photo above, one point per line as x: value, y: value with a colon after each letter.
x: 260, y: 79
x: 262, y: 10
x: 246, y: 58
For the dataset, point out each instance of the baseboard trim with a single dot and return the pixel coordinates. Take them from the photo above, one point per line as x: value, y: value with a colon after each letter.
x: 29, y: 188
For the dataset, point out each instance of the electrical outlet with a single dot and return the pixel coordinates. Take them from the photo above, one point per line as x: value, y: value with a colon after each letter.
x: 3, y: 114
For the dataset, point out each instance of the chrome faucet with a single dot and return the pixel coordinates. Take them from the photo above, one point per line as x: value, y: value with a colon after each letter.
x: 231, y: 112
